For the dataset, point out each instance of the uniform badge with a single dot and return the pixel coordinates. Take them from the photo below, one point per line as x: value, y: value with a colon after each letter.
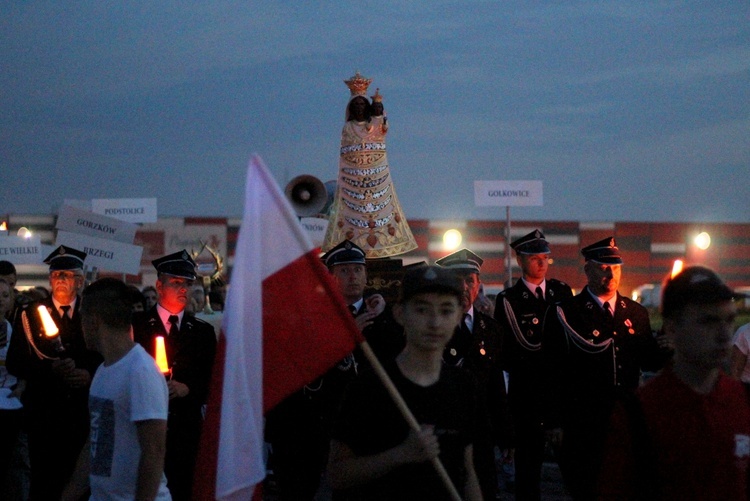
x: 453, y: 352
x: 589, y: 305
x: 482, y: 351
x: 481, y: 324
x: 629, y: 325
x: 525, y: 295
x: 534, y: 320
x: 551, y: 292
x: 595, y: 333
x: 622, y: 304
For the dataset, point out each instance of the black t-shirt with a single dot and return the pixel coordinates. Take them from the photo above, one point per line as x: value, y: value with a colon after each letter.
x: 369, y: 423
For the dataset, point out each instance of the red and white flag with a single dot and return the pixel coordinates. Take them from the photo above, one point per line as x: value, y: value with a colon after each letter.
x: 285, y: 323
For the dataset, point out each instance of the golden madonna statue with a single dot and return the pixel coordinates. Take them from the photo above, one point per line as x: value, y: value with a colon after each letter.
x: 365, y: 208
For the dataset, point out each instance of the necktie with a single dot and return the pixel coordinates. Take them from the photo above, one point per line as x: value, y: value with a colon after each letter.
x: 607, y: 309
x: 3, y: 333
x: 65, y: 323
x: 174, y: 328
x: 539, y: 293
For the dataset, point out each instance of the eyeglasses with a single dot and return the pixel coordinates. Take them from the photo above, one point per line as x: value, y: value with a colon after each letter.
x: 63, y: 275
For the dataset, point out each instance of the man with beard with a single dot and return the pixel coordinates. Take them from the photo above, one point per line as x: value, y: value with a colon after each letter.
x: 477, y: 346
x: 58, y: 372
x: 595, y: 345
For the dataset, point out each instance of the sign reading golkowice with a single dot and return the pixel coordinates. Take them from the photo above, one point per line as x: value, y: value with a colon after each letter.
x: 508, y: 193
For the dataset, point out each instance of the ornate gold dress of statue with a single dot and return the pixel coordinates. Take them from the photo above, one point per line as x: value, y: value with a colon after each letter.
x: 365, y: 208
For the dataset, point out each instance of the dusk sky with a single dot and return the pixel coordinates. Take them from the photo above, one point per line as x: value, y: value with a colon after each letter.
x: 625, y: 110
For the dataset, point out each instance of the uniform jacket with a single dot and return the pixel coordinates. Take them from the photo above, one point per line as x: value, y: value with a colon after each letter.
x: 590, y: 358
x: 190, y: 355
x: 44, y: 388
x: 521, y: 316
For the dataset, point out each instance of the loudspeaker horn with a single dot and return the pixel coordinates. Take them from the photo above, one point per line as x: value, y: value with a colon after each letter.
x: 307, y: 195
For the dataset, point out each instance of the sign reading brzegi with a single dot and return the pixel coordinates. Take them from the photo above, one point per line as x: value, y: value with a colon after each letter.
x: 508, y: 193
x: 104, y: 254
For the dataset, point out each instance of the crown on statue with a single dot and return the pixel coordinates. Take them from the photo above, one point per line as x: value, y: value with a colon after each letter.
x: 377, y: 97
x: 358, y: 84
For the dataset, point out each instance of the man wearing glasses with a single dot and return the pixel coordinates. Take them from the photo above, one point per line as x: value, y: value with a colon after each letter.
x: 58, y: 371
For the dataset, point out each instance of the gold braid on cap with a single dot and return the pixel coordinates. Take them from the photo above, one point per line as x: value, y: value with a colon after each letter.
x: 358, y: 84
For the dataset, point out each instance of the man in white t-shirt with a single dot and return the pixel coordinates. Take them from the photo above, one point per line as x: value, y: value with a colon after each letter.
x: 128, y: 403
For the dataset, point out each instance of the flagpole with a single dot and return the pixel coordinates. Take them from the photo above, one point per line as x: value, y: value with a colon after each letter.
x: 407, y: 414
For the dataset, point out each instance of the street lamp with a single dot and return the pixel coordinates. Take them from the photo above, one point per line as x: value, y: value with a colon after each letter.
x: 702, y: 240
x: 452, y: 239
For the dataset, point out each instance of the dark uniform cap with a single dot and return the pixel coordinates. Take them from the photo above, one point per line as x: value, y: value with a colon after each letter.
x: 604, y: 252
x: 179, y: 264
x: 532, y: 243
x: 424, y: 279
x: 65, y: 258
x: 694, y: 285
x: 347, y: 252
x: 461, y: 260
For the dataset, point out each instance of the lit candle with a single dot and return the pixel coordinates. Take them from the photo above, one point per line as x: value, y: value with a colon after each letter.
x: 50, y: 329
x: 161, y: 355
x: 676, y: 268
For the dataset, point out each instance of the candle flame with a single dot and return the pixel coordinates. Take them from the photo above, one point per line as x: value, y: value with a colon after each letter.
x: 161, y: 355
x: 50, y: 329
x: 676, y: 268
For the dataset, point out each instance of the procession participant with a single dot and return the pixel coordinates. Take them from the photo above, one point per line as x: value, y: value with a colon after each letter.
x: 520, y: 311
x: 686, y: 434
x: 477, y: 347
x: 594, y: 346
x: 298, y: 429
x: 128, y: 405
x: 58, y: 372
x: 374, y: 453
x: 190, y: 347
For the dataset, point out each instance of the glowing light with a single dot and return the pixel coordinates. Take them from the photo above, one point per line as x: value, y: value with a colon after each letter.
x: 24, y: 232
x: 4, y: 226
x: 676, y: 268
x: 161, y: 355
x: 452, y: 239
x: 50, y: 329
x: 703, y: 240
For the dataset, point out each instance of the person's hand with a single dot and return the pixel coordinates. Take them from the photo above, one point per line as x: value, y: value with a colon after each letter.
x: 375, y: 303
x: 554, y: 436
x: 420, y: 445
x: 77, y: 378
x: 62, y: 367
x: 665, y: 343
x: 177, y: 389
x: 365, y: 320
x: 18, y: 389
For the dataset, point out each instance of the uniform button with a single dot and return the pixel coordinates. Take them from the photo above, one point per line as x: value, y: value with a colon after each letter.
x: 617, y: 348
x: 619, y: 366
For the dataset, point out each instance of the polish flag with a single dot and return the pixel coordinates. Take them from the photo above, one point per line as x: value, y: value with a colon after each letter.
x: 285, y: 324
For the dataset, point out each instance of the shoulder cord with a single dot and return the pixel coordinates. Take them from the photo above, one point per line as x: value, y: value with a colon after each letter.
x: 30, y: 338
x: 525, y: 343
x: 585, y: 345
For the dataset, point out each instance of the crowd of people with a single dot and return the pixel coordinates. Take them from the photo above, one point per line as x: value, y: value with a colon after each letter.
x: 86, y: 410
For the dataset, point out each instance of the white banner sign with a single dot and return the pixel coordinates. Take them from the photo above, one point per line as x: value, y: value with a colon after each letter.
x: 315, y: 227
x: 133, y: 210
x: 20, y: 250
x: 106, y: 255
x: 79, y: 221
x: 508, y: 193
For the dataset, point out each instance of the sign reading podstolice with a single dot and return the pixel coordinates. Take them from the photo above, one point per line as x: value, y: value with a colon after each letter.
x: 79, y: 221
x: 105, y: 254
x: 508, y: 193
x: 133, y: 210
x: 21, y: 250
